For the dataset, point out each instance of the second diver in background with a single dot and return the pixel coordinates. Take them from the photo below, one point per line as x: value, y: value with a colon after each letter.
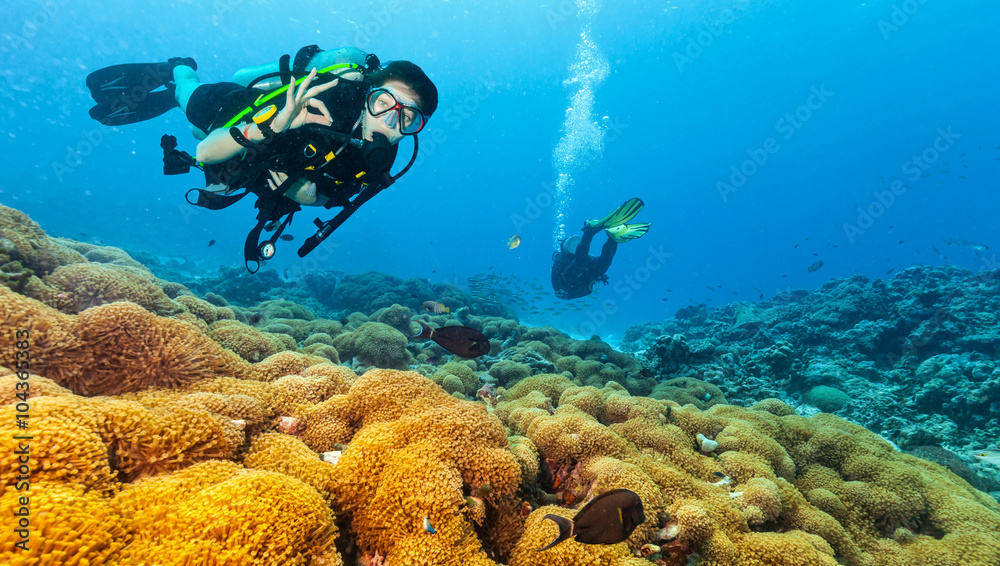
x: 576, y: 273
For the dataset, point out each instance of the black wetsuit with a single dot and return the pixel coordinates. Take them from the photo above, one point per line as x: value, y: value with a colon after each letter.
x: 574, y: 275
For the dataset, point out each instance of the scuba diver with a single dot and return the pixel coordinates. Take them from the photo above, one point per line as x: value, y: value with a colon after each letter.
x: 576, y: 273
x: 327, y: 137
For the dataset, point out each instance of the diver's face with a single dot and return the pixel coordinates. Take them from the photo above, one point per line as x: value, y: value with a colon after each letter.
x: 387, y: 123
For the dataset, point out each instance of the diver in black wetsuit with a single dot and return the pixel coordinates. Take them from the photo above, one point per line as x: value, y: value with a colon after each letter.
x: 576, y: 273
x: 331, y: 143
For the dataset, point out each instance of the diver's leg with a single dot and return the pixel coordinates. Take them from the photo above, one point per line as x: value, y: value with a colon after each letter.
x: 583, y: 248
x: 186, y: 81
x: 607, y: 254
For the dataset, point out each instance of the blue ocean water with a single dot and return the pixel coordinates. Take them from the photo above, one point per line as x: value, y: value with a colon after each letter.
x: 764, y: 137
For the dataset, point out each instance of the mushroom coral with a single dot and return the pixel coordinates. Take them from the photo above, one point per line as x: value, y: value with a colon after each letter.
x: 539, y: 532
x: 79, y: 286
x: 23, y: 240
x: 220, y: 513
x: 783, y: 489
x: 113, y: 348
x: 417, y: 453
x: 66, y: 525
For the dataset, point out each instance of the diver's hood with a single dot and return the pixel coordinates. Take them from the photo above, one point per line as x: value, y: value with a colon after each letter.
x: 569, y: 244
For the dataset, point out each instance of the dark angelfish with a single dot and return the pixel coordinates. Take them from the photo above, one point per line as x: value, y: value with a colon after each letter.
x: 609, y: 518
x: 459, y: 340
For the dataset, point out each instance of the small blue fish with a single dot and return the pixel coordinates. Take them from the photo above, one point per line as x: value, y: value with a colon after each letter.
x: 428, y: 526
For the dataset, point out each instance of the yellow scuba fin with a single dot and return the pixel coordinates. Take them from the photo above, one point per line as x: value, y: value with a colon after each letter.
x: 626, y: 232
x: 620, y: 216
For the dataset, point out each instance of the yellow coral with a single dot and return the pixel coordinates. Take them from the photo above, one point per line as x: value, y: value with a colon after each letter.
x: 329, y: 423
x: 25, y: 241
x: 204, y: 310
x: 62, y: 445
x: 276, y: 452
x: 113, y: 348
x: 233, y: 517
x: 284, y: 363
x: 37, y: 386
x: 540, y: 532
x: 417, y: 453
x: 549, y: 384
x: 246, y: 341
x: 65, y: 525
x: 572, y: 435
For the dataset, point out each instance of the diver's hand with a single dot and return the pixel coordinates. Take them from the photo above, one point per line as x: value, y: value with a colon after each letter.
x: 297, y: 103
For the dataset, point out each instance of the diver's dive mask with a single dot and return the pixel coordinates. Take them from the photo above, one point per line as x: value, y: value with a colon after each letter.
x: 407, y: 118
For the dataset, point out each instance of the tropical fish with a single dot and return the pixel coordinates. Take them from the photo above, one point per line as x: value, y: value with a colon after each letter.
x: 428, y: 526
x: 988, y: 456
x: 815, y: 266
x: 609, y: 518
x: 287, y: 237
x: 514, y: 241
x: 435, y: 307
x: 211, y: 243
x: 462, y: 341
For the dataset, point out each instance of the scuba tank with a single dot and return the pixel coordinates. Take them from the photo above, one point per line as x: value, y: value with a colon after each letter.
x: 264, y: 80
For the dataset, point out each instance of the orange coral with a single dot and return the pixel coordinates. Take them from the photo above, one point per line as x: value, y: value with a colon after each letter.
x: 229, y: 516
x: 113, y: 348
x: 64, y: 445
x: 282, y: 364
x: 417, y: 452
x: 37, y: 387
x: 80, y: 286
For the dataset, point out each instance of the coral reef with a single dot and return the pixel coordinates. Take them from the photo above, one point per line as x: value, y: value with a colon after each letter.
x: 915, y: 358
x: 169, y: 429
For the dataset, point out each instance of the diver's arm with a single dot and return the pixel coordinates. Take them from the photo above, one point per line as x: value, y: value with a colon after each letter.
x: 220, y: 146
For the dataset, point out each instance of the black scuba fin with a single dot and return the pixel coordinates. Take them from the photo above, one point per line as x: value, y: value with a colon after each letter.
x: 134, y: 92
